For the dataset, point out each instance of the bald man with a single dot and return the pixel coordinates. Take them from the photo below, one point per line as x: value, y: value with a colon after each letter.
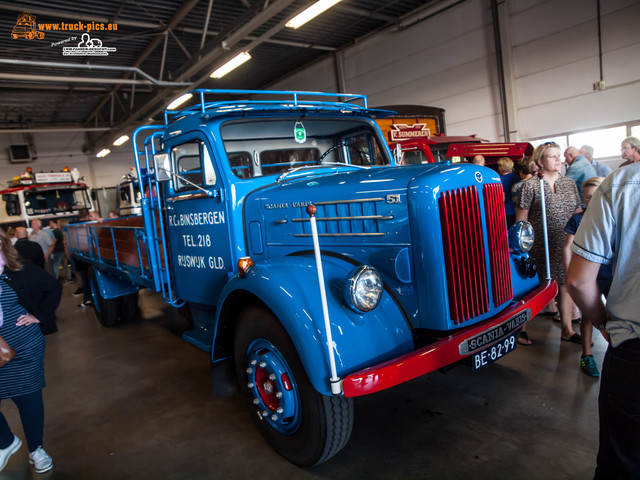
x: 579, y: 168
x: 27, y: 249
x: 478, y: 160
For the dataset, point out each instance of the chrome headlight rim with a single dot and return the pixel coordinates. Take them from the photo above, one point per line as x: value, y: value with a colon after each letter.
x: 363, y: 289
x: 521, y: 237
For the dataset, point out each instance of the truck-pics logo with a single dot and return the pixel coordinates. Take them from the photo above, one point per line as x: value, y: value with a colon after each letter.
x: 25, y: 27
x: 405, y: 132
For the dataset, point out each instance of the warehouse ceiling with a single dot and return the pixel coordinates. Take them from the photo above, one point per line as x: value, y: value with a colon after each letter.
x: 127, y: 74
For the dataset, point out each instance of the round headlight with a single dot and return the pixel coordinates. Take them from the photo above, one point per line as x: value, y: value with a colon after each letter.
x: 521, y: 237
x: 363, y: 289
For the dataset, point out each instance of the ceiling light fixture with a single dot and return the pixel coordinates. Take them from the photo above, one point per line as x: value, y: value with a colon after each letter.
x: 178, y: 101
x: 121, y: 140
x: 310, y: 13
x: 103, y: 153
x: 232, y: 64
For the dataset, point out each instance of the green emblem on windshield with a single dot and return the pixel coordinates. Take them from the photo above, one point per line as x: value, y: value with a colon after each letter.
x: 299, y: 133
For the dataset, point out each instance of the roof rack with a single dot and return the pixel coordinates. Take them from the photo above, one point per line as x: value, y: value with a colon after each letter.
x: 287, y: 98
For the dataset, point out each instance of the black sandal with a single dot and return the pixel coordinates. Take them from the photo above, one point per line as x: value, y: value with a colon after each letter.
x: 526, y: 340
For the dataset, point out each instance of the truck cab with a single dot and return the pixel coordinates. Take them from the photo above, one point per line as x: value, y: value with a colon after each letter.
x: 315, y: 268
x: 43, y: 195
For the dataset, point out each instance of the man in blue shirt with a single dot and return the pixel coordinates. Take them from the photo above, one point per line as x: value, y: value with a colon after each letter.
x: 579, y: 169
x: 601, y: 169
x: 609, y: 233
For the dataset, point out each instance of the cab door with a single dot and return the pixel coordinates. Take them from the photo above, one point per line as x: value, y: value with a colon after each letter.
x: 196, y: 222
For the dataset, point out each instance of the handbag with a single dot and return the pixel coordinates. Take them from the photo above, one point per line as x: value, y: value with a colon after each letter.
x: 6, y: 352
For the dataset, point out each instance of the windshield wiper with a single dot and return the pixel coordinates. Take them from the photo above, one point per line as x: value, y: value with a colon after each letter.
x: 326, y: 164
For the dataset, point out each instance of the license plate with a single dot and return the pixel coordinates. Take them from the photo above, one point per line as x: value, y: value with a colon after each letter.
x: 494, y: 352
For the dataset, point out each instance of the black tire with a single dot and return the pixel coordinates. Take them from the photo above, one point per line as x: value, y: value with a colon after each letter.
x: 309, y: 427
x: 128, y: 309
x: 105, y: 309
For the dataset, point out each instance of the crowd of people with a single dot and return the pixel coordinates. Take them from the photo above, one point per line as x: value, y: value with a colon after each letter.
x: 594, y: 257
x: 30, y: 292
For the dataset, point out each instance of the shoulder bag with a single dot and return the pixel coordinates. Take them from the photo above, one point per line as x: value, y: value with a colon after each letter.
x: 6, y: 352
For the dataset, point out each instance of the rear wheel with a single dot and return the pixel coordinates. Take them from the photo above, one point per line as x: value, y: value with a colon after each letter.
x: 106, y: 309
x: 301, y: 424
x: 128, y: 308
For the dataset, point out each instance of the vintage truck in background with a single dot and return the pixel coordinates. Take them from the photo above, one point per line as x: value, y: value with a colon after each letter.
x: 43, y: 195
x: 124, y: 198
x: 417, y: 134
x: 315, y: 269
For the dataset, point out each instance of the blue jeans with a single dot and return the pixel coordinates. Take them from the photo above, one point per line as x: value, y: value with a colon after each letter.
x: 31, y: 411
x: 619, y: 407
x: 60, y: 259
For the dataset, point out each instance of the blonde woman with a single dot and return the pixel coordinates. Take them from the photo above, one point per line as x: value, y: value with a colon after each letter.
x: 562, y: 201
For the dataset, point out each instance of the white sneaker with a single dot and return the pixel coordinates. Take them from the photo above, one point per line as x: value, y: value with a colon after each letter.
x: 40, y: 460
x: 5, y: 453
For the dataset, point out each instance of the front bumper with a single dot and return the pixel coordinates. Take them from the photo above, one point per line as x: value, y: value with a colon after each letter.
x: 441, y: 353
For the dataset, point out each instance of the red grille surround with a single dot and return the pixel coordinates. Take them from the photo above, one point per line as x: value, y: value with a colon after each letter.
x: 463, y: 242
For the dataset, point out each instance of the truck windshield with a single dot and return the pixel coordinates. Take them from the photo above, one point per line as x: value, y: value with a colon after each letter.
x: 41, y: 201
x: 271, y: 147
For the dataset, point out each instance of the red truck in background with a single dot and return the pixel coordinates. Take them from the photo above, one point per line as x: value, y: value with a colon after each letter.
x: 418, y: 133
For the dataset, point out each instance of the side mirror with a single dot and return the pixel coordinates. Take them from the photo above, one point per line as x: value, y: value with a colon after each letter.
x: 12, y: 204
x: 397, y: 155
x: 162, y: 167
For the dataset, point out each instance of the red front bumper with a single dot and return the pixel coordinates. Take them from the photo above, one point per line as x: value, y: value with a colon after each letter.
x: 439, y: 354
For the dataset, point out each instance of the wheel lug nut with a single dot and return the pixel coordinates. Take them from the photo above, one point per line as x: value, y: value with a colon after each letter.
x: 272, y: 376
x: 278, y: 394
x: 250, y: 385
x: 262, y: 364
x: 256, y: 401
x: 279, y: 410
x: 274, y: 417
x: 265, y: 413
x: 249, y: 370
x: 254, y: 362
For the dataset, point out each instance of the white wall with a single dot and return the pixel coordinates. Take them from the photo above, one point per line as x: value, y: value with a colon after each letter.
x: 556, y: 64
x: 448, y: 61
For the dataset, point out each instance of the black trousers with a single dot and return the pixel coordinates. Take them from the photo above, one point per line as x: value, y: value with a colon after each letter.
x: 619, y: 408
x: 31, y: 411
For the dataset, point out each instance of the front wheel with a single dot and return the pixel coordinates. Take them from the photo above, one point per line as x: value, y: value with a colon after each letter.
x: 302, y: 425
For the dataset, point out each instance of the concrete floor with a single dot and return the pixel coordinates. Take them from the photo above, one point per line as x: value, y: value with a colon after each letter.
x: 134, y: 402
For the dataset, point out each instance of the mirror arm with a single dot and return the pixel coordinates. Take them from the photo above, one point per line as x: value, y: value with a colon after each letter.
x: 175, y: 175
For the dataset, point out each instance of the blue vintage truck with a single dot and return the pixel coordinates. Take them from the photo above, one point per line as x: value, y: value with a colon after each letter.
x: 314, y: 268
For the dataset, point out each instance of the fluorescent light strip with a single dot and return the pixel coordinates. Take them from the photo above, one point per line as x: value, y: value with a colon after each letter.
x: 310, y: 13
x: 179, y: 101
x: 103, y: 153
x: 232, y: 64
x: 121, y: 140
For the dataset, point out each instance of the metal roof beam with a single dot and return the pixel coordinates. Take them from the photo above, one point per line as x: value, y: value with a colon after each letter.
x: 214, y: 51
x: 151, y: 46
x: 365, y: 13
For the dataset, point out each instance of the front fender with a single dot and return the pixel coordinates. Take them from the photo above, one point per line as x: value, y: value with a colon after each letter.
x: 288, y: 286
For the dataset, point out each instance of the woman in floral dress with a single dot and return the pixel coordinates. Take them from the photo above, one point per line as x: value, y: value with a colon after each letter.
x: 562, y: 201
